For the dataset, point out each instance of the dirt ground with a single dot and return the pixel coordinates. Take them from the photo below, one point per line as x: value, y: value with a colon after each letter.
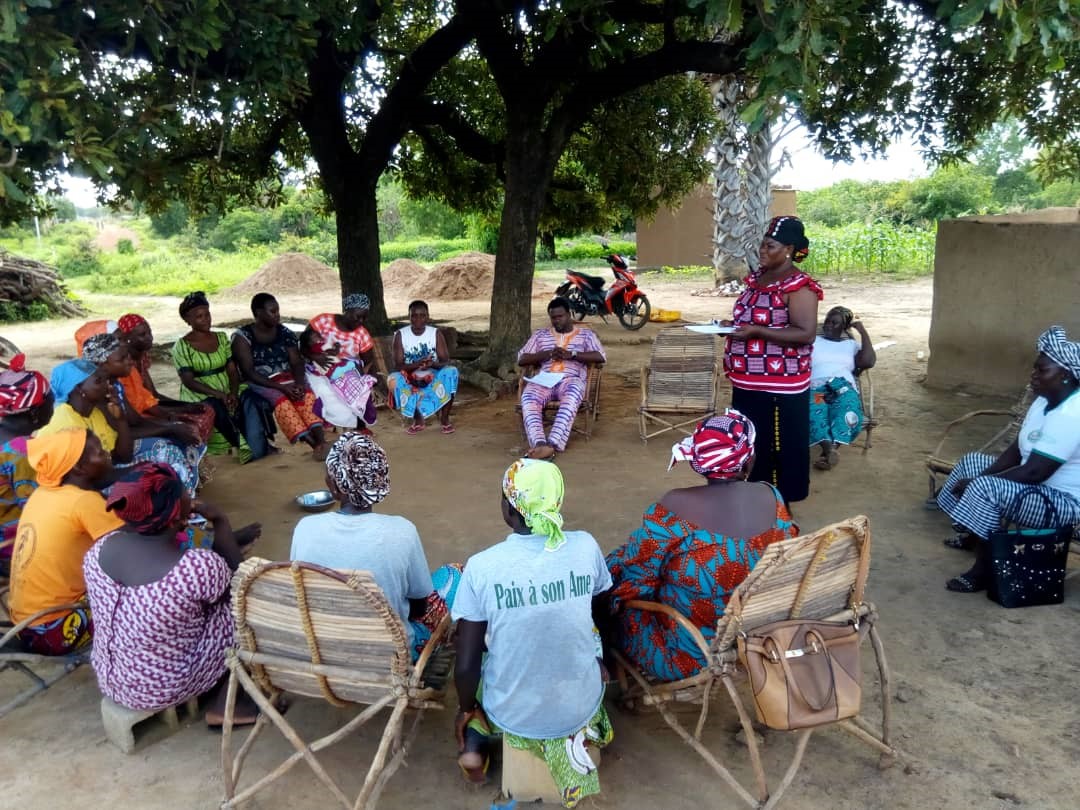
x: 983, y: 696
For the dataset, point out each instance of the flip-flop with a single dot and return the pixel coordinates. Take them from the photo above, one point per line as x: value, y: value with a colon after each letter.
x: 960, y: 540
x: 448, y: 428
x: 964, y: 584
x: 413, y: 429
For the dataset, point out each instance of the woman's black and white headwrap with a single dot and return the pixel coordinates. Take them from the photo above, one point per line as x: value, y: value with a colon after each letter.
x: 359, y: 468
x: 1066, y: 353
x: 97, y: 348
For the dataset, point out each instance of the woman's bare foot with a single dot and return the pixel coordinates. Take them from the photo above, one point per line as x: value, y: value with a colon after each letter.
x: 541, y: 451
x: 248, y: 534
x: 320, y: 451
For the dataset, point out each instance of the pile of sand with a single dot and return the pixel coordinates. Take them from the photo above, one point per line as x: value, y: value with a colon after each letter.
x: 402, y: 276
x: 463, y: 278
x: 289, y: 273
x: 109, y: 236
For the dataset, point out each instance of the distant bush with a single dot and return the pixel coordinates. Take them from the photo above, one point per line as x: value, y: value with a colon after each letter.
x: 170, y: 222
x: 80, y: 259
x: 593, y: 250
x: 169, y: 271
x: 423, y: 250
x: 125, y: 247
x: 13, y: 312
x: 246, y: 226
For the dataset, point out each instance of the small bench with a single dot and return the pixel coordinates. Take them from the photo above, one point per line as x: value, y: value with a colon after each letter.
x: 120, y: 721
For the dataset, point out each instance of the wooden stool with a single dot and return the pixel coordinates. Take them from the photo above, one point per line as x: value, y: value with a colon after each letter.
x: 120, y: 721
x: 526, y: 777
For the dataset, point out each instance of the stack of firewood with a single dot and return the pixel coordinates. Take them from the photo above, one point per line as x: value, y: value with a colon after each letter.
x: 26, y: 281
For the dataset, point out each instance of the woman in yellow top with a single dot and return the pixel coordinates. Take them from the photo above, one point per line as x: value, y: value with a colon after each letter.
x: 84, y: 399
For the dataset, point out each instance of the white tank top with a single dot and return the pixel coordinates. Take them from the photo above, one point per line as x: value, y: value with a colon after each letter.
x: 417, y: 347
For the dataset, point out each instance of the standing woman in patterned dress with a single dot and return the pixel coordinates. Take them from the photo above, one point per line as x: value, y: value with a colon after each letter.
x: 767, y: 358
x: 162, y: 615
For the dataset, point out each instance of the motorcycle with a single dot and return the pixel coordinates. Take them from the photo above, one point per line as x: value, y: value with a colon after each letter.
x: 622, y: 299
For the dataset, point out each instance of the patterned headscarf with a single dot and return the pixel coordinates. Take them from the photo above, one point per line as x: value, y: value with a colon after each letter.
x: 355, y: 301
x: 535, y: 489
x: 1066, y: 353
x: 67, y: 376
x: 192, y: 301
x: 359, y: 468
x: 147, y: 497
x: 721, y: 447
x: 21, y: 390
x: 98, y: 348
x: 54, y: 455
x: 130, y: 322
x: 789, y: 231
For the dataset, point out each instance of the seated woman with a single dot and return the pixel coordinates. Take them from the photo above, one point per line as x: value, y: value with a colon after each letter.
x: 162, y: 615
x: 139, y: 388
x: 357, y: 538
x: 268, y: 355
x: 694, y: 547
x: 26, y: 404
x: 836, y: 414
x: 174, y: 443
x: 59, y: 523
x: 345, y: 335
x: 531, y: 597
x: 91, y: 328
x: 425, y: 382
x: 342, y: 390
x: 208, y: 375
x: 979, y: 493
x: 84, y: 399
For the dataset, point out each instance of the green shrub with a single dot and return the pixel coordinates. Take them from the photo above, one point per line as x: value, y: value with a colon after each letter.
x: 423, y: 250
x: 588, y: 249
x: 78, y: 260
x: 14, y: 312
x: 125, y: 247
x: 245, y: 226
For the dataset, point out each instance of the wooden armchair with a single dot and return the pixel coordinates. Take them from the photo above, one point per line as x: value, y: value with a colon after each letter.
x: 817, y: 576
x: 308, y: 630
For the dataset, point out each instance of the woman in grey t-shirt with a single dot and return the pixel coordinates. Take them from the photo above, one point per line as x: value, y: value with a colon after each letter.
x: 531, y: 596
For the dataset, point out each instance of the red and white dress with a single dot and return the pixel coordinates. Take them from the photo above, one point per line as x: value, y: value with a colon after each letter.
x: 353, y: 344
x: 159, y: 644
x: 761, y: 365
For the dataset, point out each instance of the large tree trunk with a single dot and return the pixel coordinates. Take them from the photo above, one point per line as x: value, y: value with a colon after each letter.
x: 529, y: 168
x: 358, y: 251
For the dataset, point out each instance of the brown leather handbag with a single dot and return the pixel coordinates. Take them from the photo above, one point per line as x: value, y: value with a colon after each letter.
x: 803, y: 673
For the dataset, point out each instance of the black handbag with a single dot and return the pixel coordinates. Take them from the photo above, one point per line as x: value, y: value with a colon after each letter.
x: 1028, y: 565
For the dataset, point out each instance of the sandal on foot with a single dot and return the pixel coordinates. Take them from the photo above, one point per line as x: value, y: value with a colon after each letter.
x: 448, y: 428
x: 413, y: 429
x: 960, y: 540
x: 964, y: 584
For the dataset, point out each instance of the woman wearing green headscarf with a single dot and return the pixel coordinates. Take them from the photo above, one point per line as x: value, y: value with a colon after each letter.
x: 531, y: 596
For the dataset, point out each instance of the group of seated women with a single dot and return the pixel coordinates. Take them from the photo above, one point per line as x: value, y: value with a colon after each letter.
x: 235, y: 392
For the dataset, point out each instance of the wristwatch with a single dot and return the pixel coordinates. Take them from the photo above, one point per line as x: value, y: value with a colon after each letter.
x: 573, y: 354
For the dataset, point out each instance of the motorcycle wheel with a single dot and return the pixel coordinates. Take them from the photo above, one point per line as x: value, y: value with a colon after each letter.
x: 577, y: 304
x: 635, y: 314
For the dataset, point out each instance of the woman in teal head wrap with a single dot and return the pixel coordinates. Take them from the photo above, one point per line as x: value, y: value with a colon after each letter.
x: 531, y: 597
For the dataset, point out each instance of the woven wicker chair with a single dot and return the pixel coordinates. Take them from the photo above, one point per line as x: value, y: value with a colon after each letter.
x: 307, y: 630
x: 14, y: 658
x: 816, y: 576
x: 939, y: 466
x: 678, y: 389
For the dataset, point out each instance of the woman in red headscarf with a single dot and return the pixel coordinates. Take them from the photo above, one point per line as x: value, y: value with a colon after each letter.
x: 139, y: 388
x: 695, y: 545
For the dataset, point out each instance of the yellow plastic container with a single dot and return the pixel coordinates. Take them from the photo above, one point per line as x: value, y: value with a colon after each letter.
x: 665, y: 315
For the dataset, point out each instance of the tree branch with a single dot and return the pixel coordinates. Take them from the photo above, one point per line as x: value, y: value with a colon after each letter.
x: 469, y: 140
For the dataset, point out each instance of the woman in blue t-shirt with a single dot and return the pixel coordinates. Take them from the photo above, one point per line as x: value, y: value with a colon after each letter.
x: 980, y: 491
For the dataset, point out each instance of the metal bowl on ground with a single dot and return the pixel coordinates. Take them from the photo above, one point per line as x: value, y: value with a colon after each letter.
x: 315, y: 501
